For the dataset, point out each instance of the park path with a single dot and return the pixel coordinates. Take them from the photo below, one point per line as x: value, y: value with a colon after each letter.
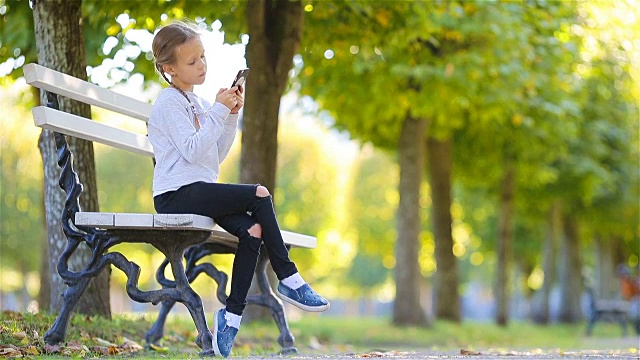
x: 607, y: 348
x: 420, y: 355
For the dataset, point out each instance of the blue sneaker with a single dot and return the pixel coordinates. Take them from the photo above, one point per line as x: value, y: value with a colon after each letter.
x: 224, y: 335
x: 303, y: 297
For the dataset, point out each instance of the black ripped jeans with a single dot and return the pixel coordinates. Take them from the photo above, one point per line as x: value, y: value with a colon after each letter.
x: 236, y: 208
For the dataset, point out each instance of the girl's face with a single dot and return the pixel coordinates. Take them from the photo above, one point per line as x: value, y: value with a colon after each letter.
x: 190, y: 67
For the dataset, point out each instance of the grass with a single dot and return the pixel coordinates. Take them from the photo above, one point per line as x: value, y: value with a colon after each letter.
x: 95, y: 336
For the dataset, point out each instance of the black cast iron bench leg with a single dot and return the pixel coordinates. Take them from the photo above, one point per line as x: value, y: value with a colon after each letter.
x: 58, y: 331
x: 157, y: 330
x: 267, y: 297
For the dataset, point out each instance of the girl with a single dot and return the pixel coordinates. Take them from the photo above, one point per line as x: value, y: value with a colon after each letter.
x: 190, y: 138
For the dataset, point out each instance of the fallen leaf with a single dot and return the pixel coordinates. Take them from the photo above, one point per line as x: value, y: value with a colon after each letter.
x: 131, y: 346
x: 75, y: 349
x: 8, y: 352
x: 469, y: 352
x: 102, y: 350
x: 314, y: 344
x: 31, y: 350
x: 19, y: 335
x: 104, y: 342
x: 51, y: 349
x: 106, y: 350
x: 372, y: 354
x: 159, y: 349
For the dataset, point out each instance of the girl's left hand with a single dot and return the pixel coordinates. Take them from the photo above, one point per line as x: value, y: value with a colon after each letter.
x: 240, y: 101
x: 239, y: 104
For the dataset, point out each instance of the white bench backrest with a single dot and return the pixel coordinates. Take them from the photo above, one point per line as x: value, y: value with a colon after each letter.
x: 86, y: 92
x: 77, y: 126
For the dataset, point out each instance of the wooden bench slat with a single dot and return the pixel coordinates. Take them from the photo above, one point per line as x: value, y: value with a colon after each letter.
x: 176, y: 222
x: 133, y: 221
x: 83, y: 128
x: 95, y: 219
x: 299, y: 240
x: 74, y: 88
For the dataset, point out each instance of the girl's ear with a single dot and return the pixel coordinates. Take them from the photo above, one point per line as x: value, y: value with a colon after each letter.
x: 168, y: 69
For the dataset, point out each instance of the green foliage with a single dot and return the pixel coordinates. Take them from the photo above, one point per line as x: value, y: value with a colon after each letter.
x: 21, y: 204
x: 371, y: 213
x: 105, y: 31
x: 306, y: 187
x: 18, y: 43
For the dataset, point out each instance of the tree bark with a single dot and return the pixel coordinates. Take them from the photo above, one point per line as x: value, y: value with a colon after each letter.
x: 606, y: 285
x: 407, y: 309
x: 504, y: 247
x: 60, y: 44
x: 446, y: 301
x: 275, y: 31
x: 549, y: 253
x: 570, y: 273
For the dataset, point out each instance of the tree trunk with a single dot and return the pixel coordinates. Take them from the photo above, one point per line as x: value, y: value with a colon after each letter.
x: 60, y: 44
x: 570, y: 273
x: 554, y: 228
x: 446, y: 301
x: 606, y: 285
x: 505, y: 238
x: 275, y: 30
x: 407, y: 309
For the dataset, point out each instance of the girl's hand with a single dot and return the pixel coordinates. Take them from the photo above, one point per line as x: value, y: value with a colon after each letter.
x: 228, y: 97
x: 239, y: 104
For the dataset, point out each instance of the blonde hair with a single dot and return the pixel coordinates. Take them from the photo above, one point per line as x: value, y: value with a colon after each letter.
x: 165, y: 42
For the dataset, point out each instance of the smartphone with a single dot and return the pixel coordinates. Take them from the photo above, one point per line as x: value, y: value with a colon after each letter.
x: 240, y: 78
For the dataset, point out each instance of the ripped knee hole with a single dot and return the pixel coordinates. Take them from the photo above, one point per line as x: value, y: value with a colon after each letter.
x: 255, y: 231
x: 262, y: 191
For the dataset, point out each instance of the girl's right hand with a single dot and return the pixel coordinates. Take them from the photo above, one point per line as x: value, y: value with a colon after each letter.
x: 227, y: 97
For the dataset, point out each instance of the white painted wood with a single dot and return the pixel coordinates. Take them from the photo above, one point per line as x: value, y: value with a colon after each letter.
x: 177, y: 222
x: 299, y: 240
x: 83, y: 128
x: 72, y: 87
x: 141, y: 221
x: 95, y: 219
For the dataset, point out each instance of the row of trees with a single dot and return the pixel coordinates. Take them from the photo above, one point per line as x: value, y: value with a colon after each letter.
x: 531, y: 107
x: 534, y: 105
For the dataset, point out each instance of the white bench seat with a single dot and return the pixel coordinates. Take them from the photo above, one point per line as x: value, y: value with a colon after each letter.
x: 140, y: 221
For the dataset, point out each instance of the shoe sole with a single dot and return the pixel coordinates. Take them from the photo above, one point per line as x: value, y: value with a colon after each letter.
x: 303, y: 306
x: 216, y: 350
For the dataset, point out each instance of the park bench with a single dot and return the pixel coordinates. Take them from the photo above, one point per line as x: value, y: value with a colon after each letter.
x: 615, y: 310
x: 179, y: 237
x: 611, y: 310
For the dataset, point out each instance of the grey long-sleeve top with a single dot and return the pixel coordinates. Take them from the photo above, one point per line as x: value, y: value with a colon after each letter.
x: 184, y: 155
